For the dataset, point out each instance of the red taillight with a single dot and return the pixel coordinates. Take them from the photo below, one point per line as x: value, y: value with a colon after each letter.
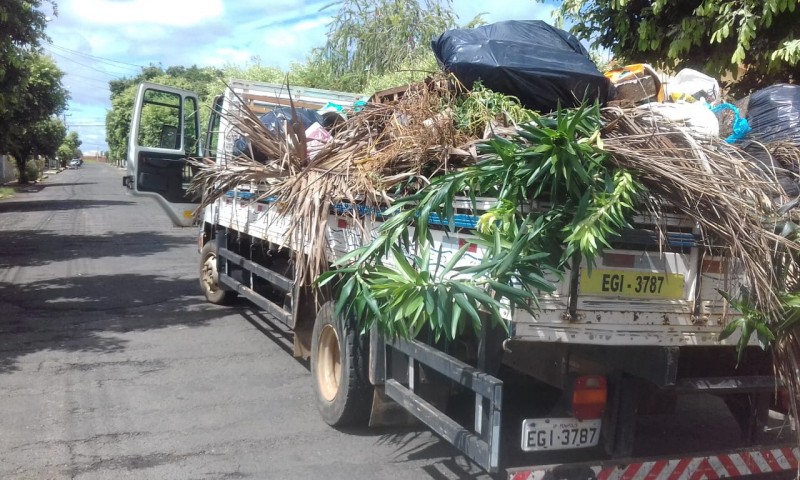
x: 472, y: 248
x: 589, y: 397
x: 782, y: 401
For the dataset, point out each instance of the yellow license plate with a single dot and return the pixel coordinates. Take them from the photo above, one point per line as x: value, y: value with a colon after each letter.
x: 630, y: 283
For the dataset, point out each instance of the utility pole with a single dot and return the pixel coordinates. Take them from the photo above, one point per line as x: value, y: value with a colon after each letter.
x: 64, y: 116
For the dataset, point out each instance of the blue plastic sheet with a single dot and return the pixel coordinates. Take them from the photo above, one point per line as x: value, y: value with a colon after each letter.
x: 740, y: 126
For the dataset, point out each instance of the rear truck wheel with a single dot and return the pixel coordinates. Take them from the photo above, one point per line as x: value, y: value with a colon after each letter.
x: 339, y: 370
x: 209, y: 277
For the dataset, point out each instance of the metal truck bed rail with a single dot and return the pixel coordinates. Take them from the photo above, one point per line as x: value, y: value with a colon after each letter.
x: 226, y: 258
x: 482, y: 443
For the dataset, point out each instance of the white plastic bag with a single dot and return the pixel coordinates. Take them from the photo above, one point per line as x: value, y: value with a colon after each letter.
x: 696, y: 117
x: 691, y: 86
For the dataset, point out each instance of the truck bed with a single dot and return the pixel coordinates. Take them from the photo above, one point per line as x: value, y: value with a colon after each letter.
x: 641, y: 297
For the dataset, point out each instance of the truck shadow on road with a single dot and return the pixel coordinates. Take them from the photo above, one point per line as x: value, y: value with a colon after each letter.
x: 26, y: 248
x: 416, y: 444
x: 83, y: 314
x: 57, y: 205
x: 38, y: 187
x: 411, y: 443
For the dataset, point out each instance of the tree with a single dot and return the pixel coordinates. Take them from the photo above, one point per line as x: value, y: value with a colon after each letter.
x: 23, y: 25
x: 374, y: 37
x: 755, y: 42
x: 38, y: 99
x: 69, y: 148
x: 30, y: 84
x: 42, y: 139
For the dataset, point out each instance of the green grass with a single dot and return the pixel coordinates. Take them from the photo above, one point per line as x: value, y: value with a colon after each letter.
x: 6, y: 192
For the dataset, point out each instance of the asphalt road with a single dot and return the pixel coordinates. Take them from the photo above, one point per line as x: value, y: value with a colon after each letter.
x: 113, y: 366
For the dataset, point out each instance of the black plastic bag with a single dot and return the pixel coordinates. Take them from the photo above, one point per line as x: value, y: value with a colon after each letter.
x: 763, y: 159
x: 531, y: 60
x: 277, y: 117
x: 774, y: 114
x: 275, y: 120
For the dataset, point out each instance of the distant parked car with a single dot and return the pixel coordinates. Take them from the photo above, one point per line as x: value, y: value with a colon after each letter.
x: 75, y: 163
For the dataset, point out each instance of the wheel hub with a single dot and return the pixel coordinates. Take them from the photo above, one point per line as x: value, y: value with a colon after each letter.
x: 329, y: 366
x: 210, y: 275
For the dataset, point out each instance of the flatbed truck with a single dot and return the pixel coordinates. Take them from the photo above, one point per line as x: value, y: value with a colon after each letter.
x: 558, y: 396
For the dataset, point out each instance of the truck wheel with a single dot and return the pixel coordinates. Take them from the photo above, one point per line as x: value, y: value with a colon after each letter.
x: 339, y: 370
x: 209, y: 277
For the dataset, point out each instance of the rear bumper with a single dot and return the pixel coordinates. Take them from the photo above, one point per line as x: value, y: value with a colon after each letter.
x: 731, y: 464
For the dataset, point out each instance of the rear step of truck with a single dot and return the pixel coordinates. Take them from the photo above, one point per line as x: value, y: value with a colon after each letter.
x: 482, y: 442
x: 777, y: 462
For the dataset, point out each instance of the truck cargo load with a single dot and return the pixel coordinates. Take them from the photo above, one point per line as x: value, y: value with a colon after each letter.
x: 530, y: 343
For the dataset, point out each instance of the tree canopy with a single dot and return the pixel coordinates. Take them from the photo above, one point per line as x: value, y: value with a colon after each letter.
x: 40, y: 97
x: 754, y: 43
x: 69, y: 148
x: 31, y: 92
x: 23, y: 25
x: 370, y: 38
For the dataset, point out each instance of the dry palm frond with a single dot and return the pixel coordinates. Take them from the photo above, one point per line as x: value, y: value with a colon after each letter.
x: 382, y: 150
x: 734, y: 200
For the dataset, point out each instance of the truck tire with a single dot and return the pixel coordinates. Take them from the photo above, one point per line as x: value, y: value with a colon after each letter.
x: 209, y: 277
x: 339, y: 370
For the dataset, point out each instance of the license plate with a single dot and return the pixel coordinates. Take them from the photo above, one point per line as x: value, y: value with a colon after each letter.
x: 630, y: 283
x: 540, y: 434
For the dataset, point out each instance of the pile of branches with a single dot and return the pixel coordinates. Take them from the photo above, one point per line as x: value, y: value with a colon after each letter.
x: 736, y: 200
x: 382, y: 151
x: 386, y: 151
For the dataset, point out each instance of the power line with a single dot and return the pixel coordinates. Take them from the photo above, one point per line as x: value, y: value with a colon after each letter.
x: 85, y: 65
x: 91, y: 79
x: 102, y: 59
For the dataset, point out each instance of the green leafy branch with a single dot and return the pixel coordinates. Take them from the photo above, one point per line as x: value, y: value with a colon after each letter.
x: 403, y: 281
x: 752, y: 320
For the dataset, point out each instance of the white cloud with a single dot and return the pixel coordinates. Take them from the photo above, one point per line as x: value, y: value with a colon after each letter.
x: 222, y: 56
x: 202, y: 32
x: 500, y: 10
x: 178, y: 13
x: 148, y: 33
x: 312, y: 24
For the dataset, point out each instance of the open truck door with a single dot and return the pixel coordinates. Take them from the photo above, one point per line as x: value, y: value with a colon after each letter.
x: 165, y: 130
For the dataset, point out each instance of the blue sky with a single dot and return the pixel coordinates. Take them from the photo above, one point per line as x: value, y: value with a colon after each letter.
x: 95, y: 41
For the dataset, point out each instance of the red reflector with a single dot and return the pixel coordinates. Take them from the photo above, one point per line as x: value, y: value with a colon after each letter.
x: 342, y: 223
x: 260, y: 208
x: 589, y: 396
x: 618, y: 260
x: 473, y: 248
x: 712, y: 266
